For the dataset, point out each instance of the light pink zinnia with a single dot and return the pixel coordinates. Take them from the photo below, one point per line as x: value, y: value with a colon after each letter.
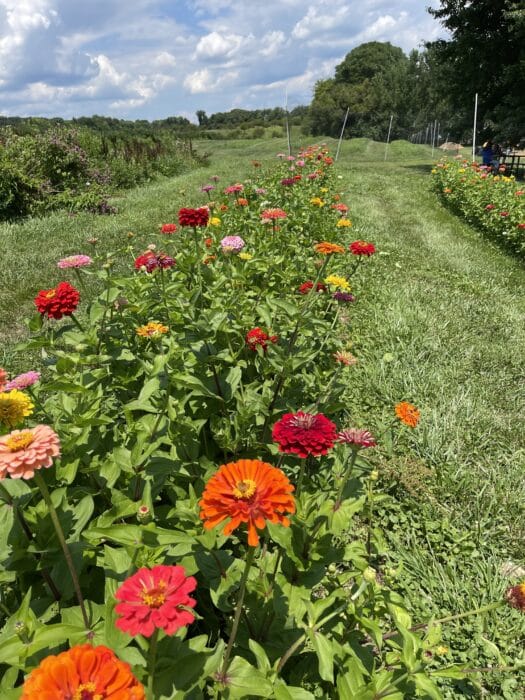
x: 357, y: 437
x: 74, y: 261
x: 22, y: 381
x: 232, y: 244
x: 155, y: 598
x: 22, y: 452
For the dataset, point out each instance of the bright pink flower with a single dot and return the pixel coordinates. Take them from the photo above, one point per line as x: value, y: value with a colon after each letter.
x: 74, y: 261
x: 22, y: 381
x: 155, y: 598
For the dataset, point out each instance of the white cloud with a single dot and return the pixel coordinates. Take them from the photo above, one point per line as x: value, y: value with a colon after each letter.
x: 151, y: 59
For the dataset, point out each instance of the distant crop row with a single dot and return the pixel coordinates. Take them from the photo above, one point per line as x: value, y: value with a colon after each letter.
x: 495, y: 203
x: 78, y: 169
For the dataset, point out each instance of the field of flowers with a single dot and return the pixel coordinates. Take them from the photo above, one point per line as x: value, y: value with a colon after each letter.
x: 187, y: 507
x: 494, y: 203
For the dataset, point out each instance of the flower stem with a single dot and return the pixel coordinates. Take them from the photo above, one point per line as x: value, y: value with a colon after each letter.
x: 346, y: 476
x: 238, y: 611
x: 76, y: 322
x: 61, y: 538
x: 449, y: 618
x: 4, y: 493
x: 152, y: 659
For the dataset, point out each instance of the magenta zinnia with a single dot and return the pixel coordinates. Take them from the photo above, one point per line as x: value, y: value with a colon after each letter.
x: 155, y: 598
x: 74, y: 261
x: 22, y: 381
x: 304, y: 434
x: 356, y: 437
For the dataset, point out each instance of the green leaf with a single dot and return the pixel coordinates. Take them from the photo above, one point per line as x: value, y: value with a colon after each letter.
x: 424, y: 683
x: 289, y: 692
x: 263, y: 663
x: 325, y: 655
x: 245, y: 680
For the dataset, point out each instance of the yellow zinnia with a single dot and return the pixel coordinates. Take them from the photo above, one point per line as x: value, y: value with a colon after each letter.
x: 14, y: 407
x: 214, y: 221
x: 152, y: 330
x: 317, y: 201
x: 339, y: 282
x: 245, y: 256
x: 343, y: 223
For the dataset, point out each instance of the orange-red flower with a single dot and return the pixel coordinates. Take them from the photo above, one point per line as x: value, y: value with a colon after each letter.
x: 3, y: 378
x: 82, y: 673
x: 326, y: 248
x: 407, y: 413
x: 59, y: 301
x: 248, y: 491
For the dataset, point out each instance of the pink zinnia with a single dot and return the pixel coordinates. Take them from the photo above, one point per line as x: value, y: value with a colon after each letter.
x: 304, y: 434
x: 233, y: 189
x: 356, y: 437
x: 22, y: 381
x: 232, y: 244
x: 155, y: 598
x: 22, y: 452
x: 74, y: 261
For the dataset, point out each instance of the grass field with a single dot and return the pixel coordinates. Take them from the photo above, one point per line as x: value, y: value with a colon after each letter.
x: 441, y: 325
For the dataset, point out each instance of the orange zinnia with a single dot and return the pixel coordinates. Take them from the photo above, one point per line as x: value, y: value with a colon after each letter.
x: 407, y: 413
x: 326, y: 248
x: 82, y: 673
x: 247, y: 491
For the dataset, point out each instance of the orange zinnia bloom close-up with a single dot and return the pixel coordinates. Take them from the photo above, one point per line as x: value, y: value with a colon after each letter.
x: 248, y: 491
x: 407, y: 413
x: 82, y: 673
x: 326, y: 248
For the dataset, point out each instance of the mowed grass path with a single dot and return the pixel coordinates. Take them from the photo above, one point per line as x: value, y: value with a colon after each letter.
x: 438, y: 321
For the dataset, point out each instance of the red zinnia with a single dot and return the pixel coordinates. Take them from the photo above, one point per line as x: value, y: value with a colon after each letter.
x: 155, y: 598
x: 516, y: 596
x: 248, y: 491
x: 257, y: 337
x: 362, y: 248
x: 60, y: 301
x: 304, y: 434
x: 194, y: 217
x: 306, y: 286
x: 82, y: 673
x: 168, y: 228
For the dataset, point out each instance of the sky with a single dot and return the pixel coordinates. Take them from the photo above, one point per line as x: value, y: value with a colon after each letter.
x: 150, y: 59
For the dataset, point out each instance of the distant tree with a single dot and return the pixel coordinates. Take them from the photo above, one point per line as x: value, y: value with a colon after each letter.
x: 485, y: 54
x: 202, y: 117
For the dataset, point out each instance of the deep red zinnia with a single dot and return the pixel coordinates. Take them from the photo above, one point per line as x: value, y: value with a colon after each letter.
x: 304, y: 434
x: 155, y: 598
x: 257, y: 337
x: 306, y: 286
x: 362, y: 248
x: 194, y: 217
x: 59, y: 301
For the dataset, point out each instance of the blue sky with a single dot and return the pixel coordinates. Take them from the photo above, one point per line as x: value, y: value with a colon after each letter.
x: 150, y: 59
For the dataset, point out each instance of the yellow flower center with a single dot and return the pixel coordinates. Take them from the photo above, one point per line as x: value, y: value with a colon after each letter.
x: 154, y: 597
x: 86, y: 691
x: 15, y: 443
x: 245, y: 488
x: 50, y: 294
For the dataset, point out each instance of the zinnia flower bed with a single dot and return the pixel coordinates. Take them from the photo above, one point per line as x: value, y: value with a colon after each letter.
x: 188, y: 510
x: 493, y: 203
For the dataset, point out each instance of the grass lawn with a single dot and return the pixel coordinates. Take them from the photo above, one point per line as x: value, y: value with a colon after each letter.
x: 438, y: 321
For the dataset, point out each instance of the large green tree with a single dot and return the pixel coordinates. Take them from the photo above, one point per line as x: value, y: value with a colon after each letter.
x: 485, y: 54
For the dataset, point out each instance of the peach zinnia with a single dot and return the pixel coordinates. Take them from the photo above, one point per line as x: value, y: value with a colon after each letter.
x: 248, y: 491
x: 326, y: 248
x: 407, y: 413
x: 22, y: 452
x: 155, y: 598
x: 82, y: 673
